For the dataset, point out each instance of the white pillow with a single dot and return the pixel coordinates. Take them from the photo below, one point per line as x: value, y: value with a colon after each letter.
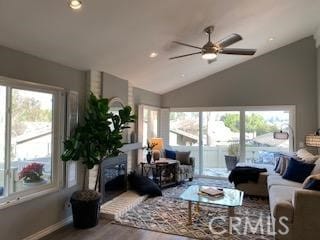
x: 307, y: 156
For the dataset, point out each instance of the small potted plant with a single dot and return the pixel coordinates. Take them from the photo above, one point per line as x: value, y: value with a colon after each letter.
x: 233, y: 156
x: 32, y: 174
x: 149, y: 148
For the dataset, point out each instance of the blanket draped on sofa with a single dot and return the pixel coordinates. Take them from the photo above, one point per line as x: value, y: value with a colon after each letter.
x: 245, y: 174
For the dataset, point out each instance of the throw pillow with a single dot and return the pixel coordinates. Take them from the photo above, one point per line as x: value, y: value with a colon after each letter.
x: 297, y: 171
x: 183, y: 157
x: 316, y: 169
x: 312, y: 176
x: 170, y: 154
x: 277, y: 163
x: 306, y: 156
x: 312, y: 183
x: 284, y: 165
x: 144, y: 185
x: 278, y: 168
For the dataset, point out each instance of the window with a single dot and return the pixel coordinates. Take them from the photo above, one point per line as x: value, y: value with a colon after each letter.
x: 259, y: 128
x: 149, y: 123
x: 212, y: 133
x: 184, y: 133
x: 29, y: 139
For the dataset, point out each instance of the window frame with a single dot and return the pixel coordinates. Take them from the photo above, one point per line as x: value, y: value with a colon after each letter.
x: 58, y: 105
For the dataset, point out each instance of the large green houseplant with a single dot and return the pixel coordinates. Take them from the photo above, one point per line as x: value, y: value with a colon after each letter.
x: 99, y: 137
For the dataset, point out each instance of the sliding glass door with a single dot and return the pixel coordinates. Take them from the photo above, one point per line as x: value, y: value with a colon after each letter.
x: 2, y: 139
x: 220, y: 131
x: 184, y: 134
x: 247, y: 132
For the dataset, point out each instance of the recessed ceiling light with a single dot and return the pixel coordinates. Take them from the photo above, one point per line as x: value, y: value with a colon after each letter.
x: 75, y: 4
x: 153, y: 55
x: 271, y: 39
x: 182, y: 75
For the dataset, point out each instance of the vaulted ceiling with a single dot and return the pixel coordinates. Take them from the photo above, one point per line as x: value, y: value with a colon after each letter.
x: 117, y: 36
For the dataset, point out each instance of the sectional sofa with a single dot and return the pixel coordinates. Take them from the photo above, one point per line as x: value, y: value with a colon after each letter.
x: 295, y: 211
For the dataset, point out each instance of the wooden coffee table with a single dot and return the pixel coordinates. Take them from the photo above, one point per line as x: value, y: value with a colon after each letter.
x: 232, y: 198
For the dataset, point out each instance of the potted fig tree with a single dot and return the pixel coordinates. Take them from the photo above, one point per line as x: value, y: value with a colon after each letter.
x: 99, y: 136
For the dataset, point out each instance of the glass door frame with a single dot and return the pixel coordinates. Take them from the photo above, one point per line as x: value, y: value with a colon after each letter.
x: 242, y: 109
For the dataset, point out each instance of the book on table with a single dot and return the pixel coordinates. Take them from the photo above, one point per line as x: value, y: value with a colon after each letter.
x: 212, y: 191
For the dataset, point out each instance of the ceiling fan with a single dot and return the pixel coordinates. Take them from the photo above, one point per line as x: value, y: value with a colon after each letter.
x: 210, y: 50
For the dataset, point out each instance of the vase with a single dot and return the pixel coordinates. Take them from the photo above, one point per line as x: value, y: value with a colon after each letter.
x: 149, y: 156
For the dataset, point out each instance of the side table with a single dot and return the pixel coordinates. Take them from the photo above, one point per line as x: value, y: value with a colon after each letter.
x: 163, y: 172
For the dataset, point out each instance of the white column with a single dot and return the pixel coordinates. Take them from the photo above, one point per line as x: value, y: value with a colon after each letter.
x: 95, y: 86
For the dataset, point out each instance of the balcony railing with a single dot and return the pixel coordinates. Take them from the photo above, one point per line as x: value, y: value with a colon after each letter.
x: 213, y: 157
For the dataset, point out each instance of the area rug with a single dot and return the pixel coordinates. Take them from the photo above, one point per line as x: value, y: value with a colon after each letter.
x: 168, y: 214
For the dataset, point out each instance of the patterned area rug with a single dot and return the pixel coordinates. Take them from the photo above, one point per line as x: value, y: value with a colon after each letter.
x: 168, y: 214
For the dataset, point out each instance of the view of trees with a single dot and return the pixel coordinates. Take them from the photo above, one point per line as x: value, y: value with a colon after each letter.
x: 254, y: 123
x: 27, y: 109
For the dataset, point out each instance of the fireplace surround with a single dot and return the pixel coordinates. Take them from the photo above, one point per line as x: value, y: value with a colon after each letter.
x: 113, y: 178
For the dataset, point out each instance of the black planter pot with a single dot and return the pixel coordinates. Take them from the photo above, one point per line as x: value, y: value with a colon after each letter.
x: 149, y: 156
x: 85, y: 208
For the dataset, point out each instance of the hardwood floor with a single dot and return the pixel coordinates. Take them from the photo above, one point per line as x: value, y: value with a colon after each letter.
x: 105, y: 230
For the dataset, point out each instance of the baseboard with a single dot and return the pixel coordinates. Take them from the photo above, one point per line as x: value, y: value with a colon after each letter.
x: 49, y: 229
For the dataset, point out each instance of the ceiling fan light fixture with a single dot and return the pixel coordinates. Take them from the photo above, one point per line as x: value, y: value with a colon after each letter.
x: 209, y: 56
x: 75, y: 4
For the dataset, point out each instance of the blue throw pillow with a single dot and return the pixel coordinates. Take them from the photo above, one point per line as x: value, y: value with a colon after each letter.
x: 298, y: 171
x: 170, y: 154
x: 313, y: 184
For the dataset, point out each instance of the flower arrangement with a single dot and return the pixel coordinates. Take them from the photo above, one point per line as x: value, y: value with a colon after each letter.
x: 150, y: 146
x: 31, y: 173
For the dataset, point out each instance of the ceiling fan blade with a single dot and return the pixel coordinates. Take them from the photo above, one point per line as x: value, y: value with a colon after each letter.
x: 186, y: 55
x: 231, y: 39
x: 238, y: 51
x: 187, y: 45
x: 211, y: 61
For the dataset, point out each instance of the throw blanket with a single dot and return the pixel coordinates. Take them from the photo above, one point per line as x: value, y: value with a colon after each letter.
x: 245, y: 174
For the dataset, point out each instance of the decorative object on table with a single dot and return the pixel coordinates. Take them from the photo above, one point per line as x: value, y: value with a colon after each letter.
x: 211, y: 191
x: 284, y: 135
x: 157, y: 148
x: 233, y: 156
x: 99, y: 137
x: 313, y: 140
x: 32, y: 173
x: 149, y: 149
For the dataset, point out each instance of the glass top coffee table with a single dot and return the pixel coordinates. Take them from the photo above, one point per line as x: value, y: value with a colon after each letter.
x: 231, y: 198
